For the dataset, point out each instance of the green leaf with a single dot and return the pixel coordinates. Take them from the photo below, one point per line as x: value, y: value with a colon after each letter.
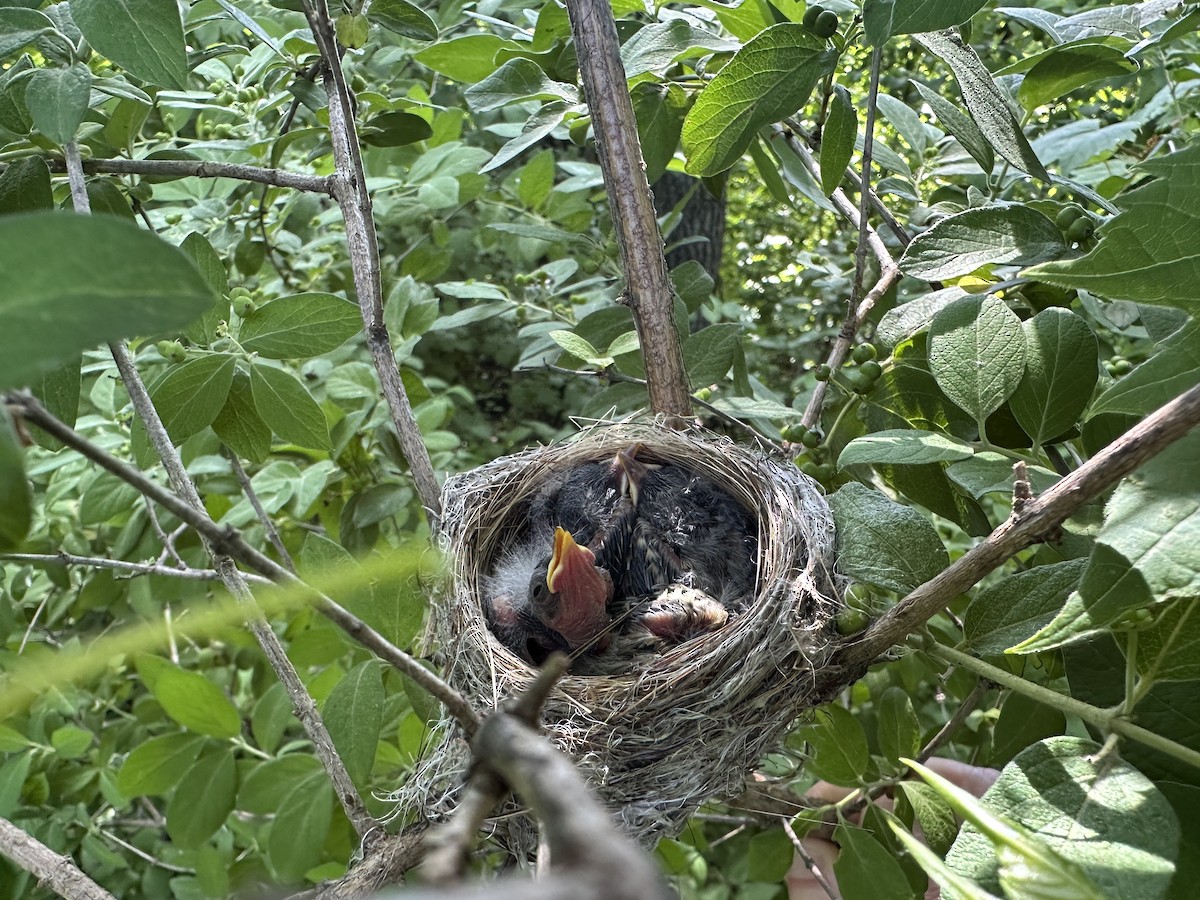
x: 536, y: 179
x: 20, y: 28
x: 960, y: 126
x: 623, y: 343
x: 898, y: 731
x: 883, y: 543
x: 577, y: 346
x: 395, y: 129
x: 768, y: 79
x: 708, y: 354
x: 935, y: 817
x: 301, y: 827
x: 15, y: 497
x: 1062, y: 365
x: 866, y: 868
x: 203, y: 800
x: 1018, y: 606
x: 157, y: 765
x: 660, y: 110
x: 269, y: 719
x: 537, y: 126
x: 196, y: 703
x: 88, y: 299
x: 106, y: 498
x: 1023, y: 721
x: 353, y: 713
x: 977, y: 354
x: 189, y: 397
x: 1064, y: 68
x: 839, y: 746
x: 1175, y: 368
x: 403, y: 18
x: 883, y: 19
x: 25, y: 185
x: 239, y: 425
x: 12, y: 777
x: 992, y: 473
x: 837, y: 139
x: 991, y: 235
x: 517, y: 80
x: 1091, y: 810
x: 466, y: 59
x: 300, y: 326
x: 58, y: 100
x: 656, y: 47
x: 903, y: 447
x: 1145, y: 253
x: 769, y: 856
x: 288, y: 408
x: 1169, y: 650
x: 985, y: 101
x: 143, y: 37
x: 205, y: 329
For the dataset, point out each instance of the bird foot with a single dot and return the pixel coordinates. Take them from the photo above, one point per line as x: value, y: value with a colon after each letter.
x: 681, y: 613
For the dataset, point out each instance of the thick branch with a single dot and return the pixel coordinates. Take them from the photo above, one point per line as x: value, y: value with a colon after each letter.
x: 59, y: 873
x: 1039, y: 518
x: 350, y: 190
x: 647, y: 286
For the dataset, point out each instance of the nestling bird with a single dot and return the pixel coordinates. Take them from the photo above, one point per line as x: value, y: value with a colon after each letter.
x: 687, y: 530
x: 537, y: 602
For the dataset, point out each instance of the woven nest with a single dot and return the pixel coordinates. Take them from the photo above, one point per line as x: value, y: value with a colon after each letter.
x: 690, y: 724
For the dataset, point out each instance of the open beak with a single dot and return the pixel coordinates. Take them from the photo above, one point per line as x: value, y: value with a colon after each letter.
x: 567, y: 560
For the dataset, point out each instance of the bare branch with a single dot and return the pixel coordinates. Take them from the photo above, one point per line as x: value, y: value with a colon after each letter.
x: 59, y: 873
x: 189, y: 168
x: 448, y: 847
x: 648, y: 289
x: 267, y: 522
x: 120, y: 565
x: 350, y: 191
x: 1041, y: 516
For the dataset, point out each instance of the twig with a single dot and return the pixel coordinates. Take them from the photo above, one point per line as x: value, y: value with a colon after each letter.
x: 62, y: 557
x: 267, y: 522
x: 864, y: 198
x: 447, y: 848
x: 648, y: 289
x: 350, y: 191
x: 1041, y: 515
x: 809, y: 862
x: 187, y: 168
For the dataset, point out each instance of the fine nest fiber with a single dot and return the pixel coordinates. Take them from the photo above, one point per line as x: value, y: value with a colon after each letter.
x: 689, y: 725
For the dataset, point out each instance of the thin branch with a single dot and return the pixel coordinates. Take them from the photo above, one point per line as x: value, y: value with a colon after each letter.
x: 188, y: 168
x: 64, y: 558
x: 809, y: 862
x: 230, y: 542
x: 448, y: 847
x: 354, y: 200
x: 267, y: 522
x: 864, y: 197
x: 648, y: 289
x: 57, y: 872
x: 1040, y: 517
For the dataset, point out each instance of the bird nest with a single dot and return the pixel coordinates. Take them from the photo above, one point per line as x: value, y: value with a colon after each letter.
x: 689, y: 724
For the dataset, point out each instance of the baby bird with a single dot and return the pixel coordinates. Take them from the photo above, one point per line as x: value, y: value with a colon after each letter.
x: 537, y: 602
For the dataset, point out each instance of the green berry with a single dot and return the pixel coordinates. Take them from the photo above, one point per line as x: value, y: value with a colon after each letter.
x: 863, y: 352
x: 871, y: 370
x: 243, y: 306
x: 851, y: 621
x: 826, y: 25
x: 810, y: 15
x: 810, y: 468
x: 811, y: 438
x: 1068, y: 215
x: 825, y: 473
x: 164, y: 347
x: 859, y: 383
x: 1081, y: 229
x: 1121, y: 367
x: 823, y: 372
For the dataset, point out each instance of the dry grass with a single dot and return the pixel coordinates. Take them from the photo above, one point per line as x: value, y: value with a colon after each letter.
x: 692, y: 723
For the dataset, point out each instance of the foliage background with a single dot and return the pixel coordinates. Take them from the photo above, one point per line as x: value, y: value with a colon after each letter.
x: 180, y: 771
